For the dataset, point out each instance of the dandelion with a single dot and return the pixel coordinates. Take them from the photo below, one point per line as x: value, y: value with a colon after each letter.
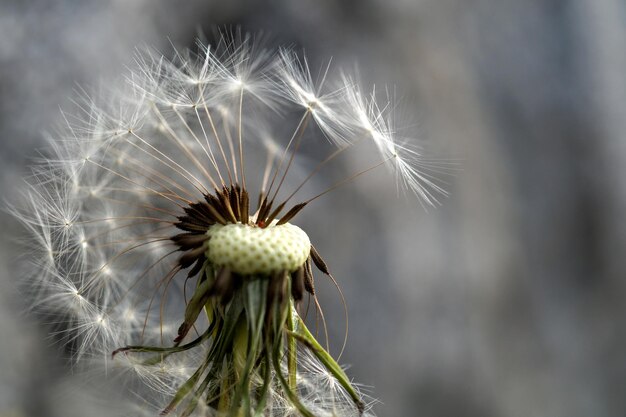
x: 158, y: 238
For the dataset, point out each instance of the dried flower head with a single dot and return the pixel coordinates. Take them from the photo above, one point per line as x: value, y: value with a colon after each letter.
x: 158, y: 236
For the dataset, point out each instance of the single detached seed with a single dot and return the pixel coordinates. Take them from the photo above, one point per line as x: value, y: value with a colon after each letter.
x: 249, y: 250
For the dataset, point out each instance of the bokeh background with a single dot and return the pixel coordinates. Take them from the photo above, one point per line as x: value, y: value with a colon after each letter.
x: 508, y: 300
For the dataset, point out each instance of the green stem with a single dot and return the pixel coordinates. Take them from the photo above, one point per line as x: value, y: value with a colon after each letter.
x: 254, y: 312
x: 293, y: 396
x: 258, y: 412
x: 224, y: 400
x: 292, y: 352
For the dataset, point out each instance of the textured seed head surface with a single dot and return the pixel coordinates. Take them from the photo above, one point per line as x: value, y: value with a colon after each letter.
x: 252, y: 250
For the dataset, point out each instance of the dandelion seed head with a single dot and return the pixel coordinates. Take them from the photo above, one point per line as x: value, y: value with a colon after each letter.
x: 145, y: 212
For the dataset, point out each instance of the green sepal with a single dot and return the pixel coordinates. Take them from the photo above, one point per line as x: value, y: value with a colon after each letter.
x: 303, y: 334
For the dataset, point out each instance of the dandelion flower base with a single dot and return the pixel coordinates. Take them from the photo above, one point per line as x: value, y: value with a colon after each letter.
x: 247, y: 249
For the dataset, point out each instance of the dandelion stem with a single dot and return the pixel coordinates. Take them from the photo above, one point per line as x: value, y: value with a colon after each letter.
x: 291, y: 394
x: 292, y: 352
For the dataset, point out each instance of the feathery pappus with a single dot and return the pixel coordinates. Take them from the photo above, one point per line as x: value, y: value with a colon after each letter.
x: 162, y: 229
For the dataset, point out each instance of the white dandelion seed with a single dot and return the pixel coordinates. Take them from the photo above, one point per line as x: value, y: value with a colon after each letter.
x: 146, y: 241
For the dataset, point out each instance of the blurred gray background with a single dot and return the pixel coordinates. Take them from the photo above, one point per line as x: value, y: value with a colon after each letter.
x: 509, y: 300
